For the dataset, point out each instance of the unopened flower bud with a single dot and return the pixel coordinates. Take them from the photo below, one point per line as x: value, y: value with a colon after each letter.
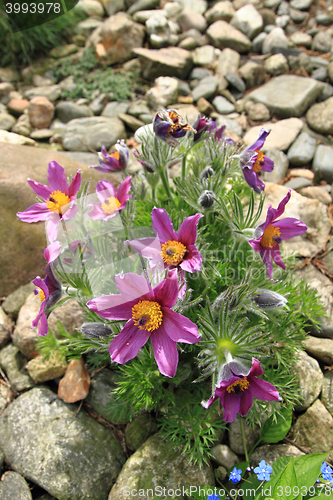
x: 206, y: 199
x: 206, y: 173
x: 267, y: 299
x: 95, y: 330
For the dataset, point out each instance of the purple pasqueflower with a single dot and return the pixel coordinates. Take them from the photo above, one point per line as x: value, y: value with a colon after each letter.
x: 59, y: 200
x: 219, y: 136
x: 269, y: 235
x: 235, y: 475
x: 237, y: 393
x: 149, y: 314
x: 263, y: 471
x: 203, y: 124
x: 170, y: 126
x: 49, y: 290
x: 110, y: 200
x: 113, y: 162
x: 253, y: 161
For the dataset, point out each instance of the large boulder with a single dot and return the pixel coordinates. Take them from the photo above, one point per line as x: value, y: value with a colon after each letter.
x: 222, y: 35
x: 170, y: 61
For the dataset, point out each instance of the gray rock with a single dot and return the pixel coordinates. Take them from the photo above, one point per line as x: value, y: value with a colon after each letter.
x: 222, y: 105
x: 42, y: 370
x: 112, y: 109
x: 324, y: 19
x: 171, y: 61
x: 320, y: 74
x: 327, y: 391
x: 322, y: 42
x: 271, y: 452
x: 13, y: 486
x: 204, y: 56
x: 160, y: 31
x: 231, y: 125
x: 314, y: 429
x: 254, y: 74
x: 199, y: 38
x: 88, y: 25
x: 5, y: 89
x: 319, y: 117
x: 98, y: 104
x: 276, y: 38
x: 281, y: 164
x: 12, y: 362
x: 183, y: 89
x: 282, y: 21
x: 155, y: 463
x: 257, y: 111
x: 236, y: 83
x: 139, y: 429
x: 276, y: 65
x: 199, y: 73
x: 222, y: 455
x: 7, y: 121
x: 301, y: 4
x: 2, y: 458
x: 142, y: 5
x: 221, y: 473
x: 321, y: 349
x: 191, y: 20
x: 317, y: 193
x: 235, y: 436
x: 89, y: 8
x: 84, y: 134
x: 298, y: 183
x: 302, y: 150
x: 287, y: 95
x: 223, y: 35
x: 195, y: 5
x: 310, y: 380
x: 164, y: 92
x: 85, y: 158
x: 228, y: 62
x: 44, y: 440
x: 301, y: 38
x: 248, y: 20
x: 283, y: 9
x: 326, y: 92
x: 206, y: 88
x: 323, y: 163
x: 221, y: 11
x: 298, y: 16
x: 283, y: 133
x: 319, y: 62
x: 13, y: 303
x: 139, y: 107
x: 130, y: 121
x: 271, y: 4
x: 6, y: 327
x: 143, y: 15
x: 258, y: 42
x: 51, y: 92
x: 66, y: 111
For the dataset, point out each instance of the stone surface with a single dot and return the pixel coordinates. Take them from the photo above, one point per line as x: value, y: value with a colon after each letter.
x: 51, y: 92
x: 222, y: 455
x: 44, y: 440
x: 254, y: 74
x: 317, y: 193
x: 13, y: 486
x: 164, y: 92
x: 283, y: 133
x: 7, y: 121
x: 298, y: 183
x: 276, y: 65
x: 271, y: 452
x: 74, y: 386
x: 5, y: 88
x: 222, y: 105
x: 42, y: 134
x: 222, y: 35
x: 130, y: 121
x: 204, y: 56
x: 327, y: 391
x: 314, y: 429
x: 276, y: 38
x: 13, y: 303
x: 302, y: 150
x: 154, y: 463
x: 15, y: 139
x: 113, y: 108
x: 139, y: 429
x: 248, y: 20
x: 258, y: 112
x: 12, y: 362
x: 319, y: 117
x: 17, y: 106
x: 41, y: 370
x: 6, y: 327
x: 310, y: 379
x: 322, y: 42
x: 206, y: 88
x: 84, y: 134
x: 287, y: 95
x: 323, y: 163
x: 170, y: 61
x: 281, y: 164
x: 191, y: 20
x: 321, y: 349
x: 23, y: 126
x: 235, y: 436
x: 67, y: 111
x: 221, y: 11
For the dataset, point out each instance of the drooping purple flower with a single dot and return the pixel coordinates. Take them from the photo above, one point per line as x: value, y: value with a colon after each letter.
x: 49, y: 291
x: 111, y: 201
x: 113, y: 162
x: 237, y: 393
x: 219, y: 136
x: 203, y: 124
x: 59, y: 200
x: 149, y: 314
x: 269, y: 235
x: 253, y: 161
x: 170, y: 126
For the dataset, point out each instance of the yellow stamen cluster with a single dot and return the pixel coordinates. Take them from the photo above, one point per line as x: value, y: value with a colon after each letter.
x: 260, y: 157
x: 240, y: 385
x: 41, y: 295
x: 115, y: 155
x: 267, y: 239
x: 58, y: 202
x: 173, y: 252
x: 110, y: 205
x: 147, y: 315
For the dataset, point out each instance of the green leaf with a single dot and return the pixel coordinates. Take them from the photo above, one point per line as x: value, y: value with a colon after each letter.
x: 307, y: 468
x: 272, y: 432
x: 249, y: 486
x: 284, y: 486
x: 278, y: 468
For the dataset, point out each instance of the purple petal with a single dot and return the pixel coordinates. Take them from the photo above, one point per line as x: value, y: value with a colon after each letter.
x: 127, y: 343
x: 123, y: 154
x: 52, y: 227
x: 97, y: 212
x: 41, y: 284
x: 165, y: 351
x: 256, y: 369
x: 267, y: 165
x: 133, y: 286
x: 231, y: 406
x: 280, y: 209
x: 40, y: 189
x: 105, y: 190
x: 35, y: 213
x: 179, y: 328
x: 112, y: 307
x: 267, y: 259
x: 71, y: 211
x: 192, y: 261
x: 147, y: 247
x: 261, y: 139
x: 75, y: 184
x: 166, y: 292
x: 206, y: 404
x: 43, y: 328
x: 261, y: 389
x: 163, y: 226
x: 219, y: 133
x: 188, y: 230
x: 123, y: 189
x: 290, y: 227
x: 52, y: 251
x: 253, y: 180
x: 103, y: 168
x: 246, y: 402
x: 255, y: 244
x: 56, y: 178
x: 275, y: 254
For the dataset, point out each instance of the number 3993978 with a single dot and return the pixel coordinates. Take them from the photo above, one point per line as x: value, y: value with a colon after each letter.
x: 33, y: 8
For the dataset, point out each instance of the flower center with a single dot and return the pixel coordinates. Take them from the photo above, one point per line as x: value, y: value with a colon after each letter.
x: 147, y: 315
x: 260, y: 157
x: 115, y: 155
x: 56, y: 201
x: 110, y: 205
x: 173, y: 252
x: 268, y: 238
x: 41, y: 295
x: 239, y: 386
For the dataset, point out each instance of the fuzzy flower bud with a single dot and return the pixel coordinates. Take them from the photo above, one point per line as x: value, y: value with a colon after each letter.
x: 267, y: 299
x: 206, y: 199
x: 95, y: 330
x: 206, y: 173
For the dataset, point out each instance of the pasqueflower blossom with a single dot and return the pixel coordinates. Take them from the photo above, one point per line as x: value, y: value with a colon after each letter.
x: 113, y: 162
x: 269, y: 235
x: 253, y: 161
x: 170, y: 126
x: 59, y: 200
x: 263, y: 471
x: 149, y: 314
x: 49, y: 290
x: 111, y: 201
x: 204, y: 124
x: 237, y: 393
